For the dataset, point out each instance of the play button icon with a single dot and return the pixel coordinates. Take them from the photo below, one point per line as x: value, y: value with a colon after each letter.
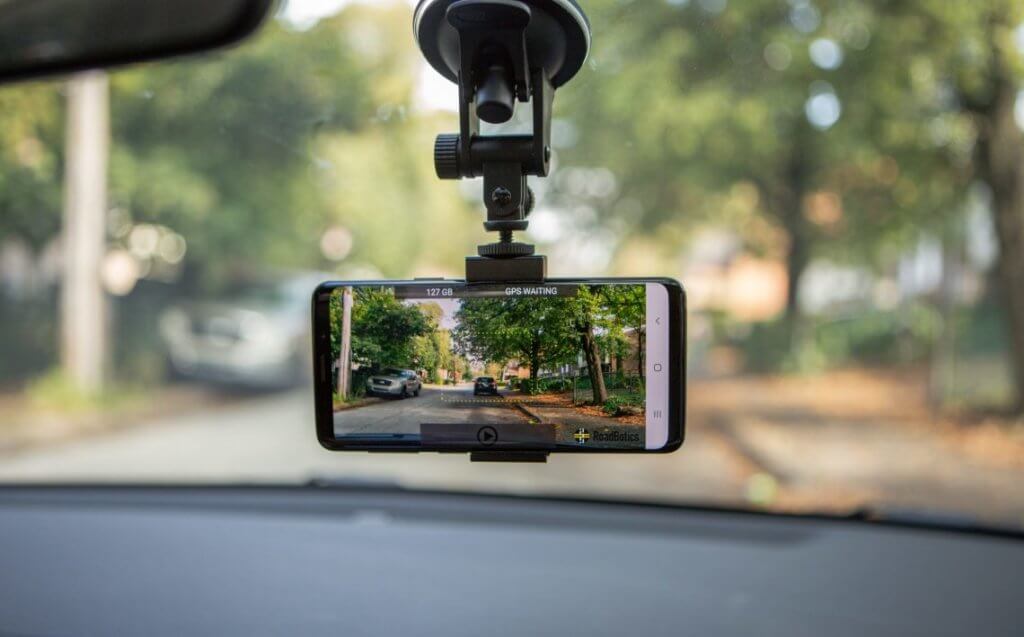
x: 487, y: 435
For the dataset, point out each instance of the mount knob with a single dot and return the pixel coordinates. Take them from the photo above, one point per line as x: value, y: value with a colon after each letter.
x: 446, y: 156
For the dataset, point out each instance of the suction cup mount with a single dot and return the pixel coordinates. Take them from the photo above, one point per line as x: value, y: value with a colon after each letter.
x: 500, y: 52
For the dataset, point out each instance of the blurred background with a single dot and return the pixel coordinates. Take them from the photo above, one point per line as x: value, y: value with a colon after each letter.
x: 838, y: 185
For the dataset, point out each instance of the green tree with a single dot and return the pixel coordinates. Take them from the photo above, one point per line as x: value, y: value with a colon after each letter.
x: 31, y: 173
x: 585, y: 308
x: 384, y: 331
x: 543, y: 332
x: 31, y: 162
x: 433, y: 350
x: 974, y: 48
x: 538, y: 331
x: 442, y: 345
x: 723, y: 116
x: 220, y: 148
x: 253, y: 153
x: 625, y: 307
x: 425, y: 356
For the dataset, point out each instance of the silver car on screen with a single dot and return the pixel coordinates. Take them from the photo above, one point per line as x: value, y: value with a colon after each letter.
x: 394, y: 382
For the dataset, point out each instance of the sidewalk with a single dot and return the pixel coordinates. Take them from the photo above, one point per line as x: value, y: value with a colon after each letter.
x: 847, y: 439
x: 24, y: 426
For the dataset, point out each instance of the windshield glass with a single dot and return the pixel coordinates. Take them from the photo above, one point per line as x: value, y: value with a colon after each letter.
x: 836, y: 185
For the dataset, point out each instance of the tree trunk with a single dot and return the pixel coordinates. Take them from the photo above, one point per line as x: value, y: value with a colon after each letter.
x: 641, y: 352
x: 345, y: 355
x: 785, y: 197
x: 83, y: 312
x: 534, y: 358
x: 790, y: 202
x: 796, y: 262
x: 593, y: 356
x: 942, y: 363
x: 1001, y: 165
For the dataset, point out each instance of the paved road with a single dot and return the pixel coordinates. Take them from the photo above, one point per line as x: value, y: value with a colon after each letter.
x: 271, y: 439
x: 728, y: 457
x: 436, y: 403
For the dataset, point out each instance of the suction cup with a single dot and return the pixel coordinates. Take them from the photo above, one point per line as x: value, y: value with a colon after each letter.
x: 555, y: 36
x: 500, y: 52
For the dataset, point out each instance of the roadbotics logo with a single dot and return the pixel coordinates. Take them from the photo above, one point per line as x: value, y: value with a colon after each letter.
x: 617, y: 436
x: 582, y: 436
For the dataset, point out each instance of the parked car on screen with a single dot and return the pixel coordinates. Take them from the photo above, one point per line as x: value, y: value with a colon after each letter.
x: 485, y: 385
x: 394, y: 382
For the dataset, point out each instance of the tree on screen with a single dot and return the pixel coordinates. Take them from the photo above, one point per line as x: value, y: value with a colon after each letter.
x: 535, y: 331
x: 384, y: 331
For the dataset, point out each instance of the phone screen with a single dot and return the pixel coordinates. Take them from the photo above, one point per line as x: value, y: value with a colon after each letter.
x: 443, y: 364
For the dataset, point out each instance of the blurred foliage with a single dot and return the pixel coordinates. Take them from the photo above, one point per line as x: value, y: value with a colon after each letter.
x: 869, y: 337
x: 31, y: 160
x: 55, y: 392
x: 252, y: 153
x: 702, y: 116
x: 27, y: 337
x: 981, y: 328
x: 687, y: 115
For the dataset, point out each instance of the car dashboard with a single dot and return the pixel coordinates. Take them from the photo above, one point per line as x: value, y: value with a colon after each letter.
x: 370, y: 561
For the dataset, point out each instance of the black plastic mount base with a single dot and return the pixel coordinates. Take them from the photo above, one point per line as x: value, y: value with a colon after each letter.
x: 508, y: 456
x: 528, y: 269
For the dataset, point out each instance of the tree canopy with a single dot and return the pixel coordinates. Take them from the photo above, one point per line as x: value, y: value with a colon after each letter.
x: 384, y: 330
x: 842, y: 130
x: 531, y: 330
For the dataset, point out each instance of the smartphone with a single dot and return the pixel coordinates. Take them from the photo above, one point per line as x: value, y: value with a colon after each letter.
x: 590, y: 365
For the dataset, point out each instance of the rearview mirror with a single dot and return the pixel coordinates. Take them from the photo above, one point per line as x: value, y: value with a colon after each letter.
x: 42, y: 37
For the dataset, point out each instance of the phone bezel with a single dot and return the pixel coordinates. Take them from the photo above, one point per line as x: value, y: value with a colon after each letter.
x: 323, y: 392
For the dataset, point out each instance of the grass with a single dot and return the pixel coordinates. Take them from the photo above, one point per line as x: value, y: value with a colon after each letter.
x: 352, y: 400
x: 56, y: 392
x: 978, y: 384
x: 616, y: 402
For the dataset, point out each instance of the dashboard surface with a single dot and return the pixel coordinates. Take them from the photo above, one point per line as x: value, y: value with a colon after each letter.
x: 307, y: 561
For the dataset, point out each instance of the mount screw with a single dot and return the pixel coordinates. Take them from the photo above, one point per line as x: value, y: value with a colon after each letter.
x: 501, y: 196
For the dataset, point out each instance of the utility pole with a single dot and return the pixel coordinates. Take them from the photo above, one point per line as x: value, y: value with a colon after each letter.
x: 83, y: 312
x: 345, y: 355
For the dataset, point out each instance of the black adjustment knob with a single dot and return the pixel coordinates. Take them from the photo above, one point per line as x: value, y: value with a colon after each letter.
x: 446, y: 156
x: 528, y: 201
x: 505, y: 250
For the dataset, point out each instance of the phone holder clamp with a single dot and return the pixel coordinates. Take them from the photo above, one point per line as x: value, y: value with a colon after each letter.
x: 500, y: 52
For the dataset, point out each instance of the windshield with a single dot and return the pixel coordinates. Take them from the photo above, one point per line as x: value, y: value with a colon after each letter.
x: 836, y: 185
